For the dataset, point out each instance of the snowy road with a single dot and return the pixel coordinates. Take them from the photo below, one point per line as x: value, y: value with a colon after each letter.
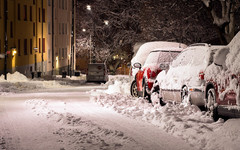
x: 65, y: 119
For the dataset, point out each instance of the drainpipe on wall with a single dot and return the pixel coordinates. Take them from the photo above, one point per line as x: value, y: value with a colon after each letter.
x: 42, y: 36
x: 72, y: 40
x: 53, y: 37
x: 6, y: 39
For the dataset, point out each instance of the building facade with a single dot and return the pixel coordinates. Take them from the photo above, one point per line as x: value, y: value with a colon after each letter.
x: 40, y: 33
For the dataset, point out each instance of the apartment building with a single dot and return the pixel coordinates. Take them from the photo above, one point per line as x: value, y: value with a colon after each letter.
x: 38, y: 36
x: 61, y: 34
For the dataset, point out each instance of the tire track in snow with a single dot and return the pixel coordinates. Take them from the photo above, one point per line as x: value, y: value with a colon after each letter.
x: 79, y: 133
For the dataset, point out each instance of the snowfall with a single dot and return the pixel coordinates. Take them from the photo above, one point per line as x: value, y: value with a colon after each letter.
x: 70, y: 114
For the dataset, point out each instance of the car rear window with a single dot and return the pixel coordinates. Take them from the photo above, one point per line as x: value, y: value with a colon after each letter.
x: 156, y: 57
x: 192, y: 56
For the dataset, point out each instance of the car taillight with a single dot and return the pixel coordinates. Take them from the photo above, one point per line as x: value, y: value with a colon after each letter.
x: 148, y: 73
x: 154, y: 74
x: 201, y: 75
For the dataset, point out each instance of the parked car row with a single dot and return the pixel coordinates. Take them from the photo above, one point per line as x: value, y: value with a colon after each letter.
x: 204, y: 75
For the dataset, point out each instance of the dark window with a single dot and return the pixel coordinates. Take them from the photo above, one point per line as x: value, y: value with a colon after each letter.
x: 31, y: 46
x: 62, y: 28
x: 34, y: 29
x: 49, y: 2
x: 34, y: 2
x: 43, y: 15
x: 39, y: 14
x: 19, y: 12
x: 66, y: 4
x: 59, y: 3
x: 30, y: 13
x: 19, y: 47
x: 25, y: 46
x: 62, y: 4
x: 0, y: 46
x: 0, y: 10
x: 39, y: 42
x: 62, y: 53
x: 25, y: 12
x: 11, y: 29
x: 43, y: 47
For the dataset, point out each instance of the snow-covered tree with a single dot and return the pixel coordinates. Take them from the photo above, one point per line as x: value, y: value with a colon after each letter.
x: 223, y: 13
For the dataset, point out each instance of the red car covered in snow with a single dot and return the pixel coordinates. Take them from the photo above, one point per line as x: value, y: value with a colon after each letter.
x: 222, y: 91
x: 157, y: 60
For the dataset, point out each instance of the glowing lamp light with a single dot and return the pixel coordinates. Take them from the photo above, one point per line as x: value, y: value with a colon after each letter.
x: 84, y: 30
x: 14, y: 51
x: 106, y: 22
x: 35, y: 49
x: 89, y: 7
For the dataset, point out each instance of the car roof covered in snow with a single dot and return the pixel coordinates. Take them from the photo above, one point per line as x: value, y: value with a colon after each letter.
x: 146, y: 48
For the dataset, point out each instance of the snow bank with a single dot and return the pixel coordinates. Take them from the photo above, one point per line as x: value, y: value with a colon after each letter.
x: 188, y: 122
x: 118, y: 84
x: 17, y: 82
x: 15, y: 77
x: 181, y: 120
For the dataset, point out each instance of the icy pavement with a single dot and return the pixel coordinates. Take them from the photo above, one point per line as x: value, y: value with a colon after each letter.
x: 59, y: 115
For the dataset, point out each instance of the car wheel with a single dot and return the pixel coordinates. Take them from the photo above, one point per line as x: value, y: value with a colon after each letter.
x: 134, y: 89
x: 184, y: 94
x: 210, y: 104
x: 145, y: 94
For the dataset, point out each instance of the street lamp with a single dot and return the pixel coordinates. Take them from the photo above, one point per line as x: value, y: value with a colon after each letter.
x: 106, y: 22
x: 89, y: 7
x: 92, y: 45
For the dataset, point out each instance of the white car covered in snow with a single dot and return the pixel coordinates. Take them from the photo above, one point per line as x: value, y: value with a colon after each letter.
x: 184, y: 81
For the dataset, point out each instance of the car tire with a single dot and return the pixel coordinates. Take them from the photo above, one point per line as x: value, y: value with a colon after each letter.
x: 145, y: 94
x: 210, y: 104
x: 133, y: 89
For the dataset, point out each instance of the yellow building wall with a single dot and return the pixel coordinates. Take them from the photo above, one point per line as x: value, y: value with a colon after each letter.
x: 1, y: 34
x: 23, y: 29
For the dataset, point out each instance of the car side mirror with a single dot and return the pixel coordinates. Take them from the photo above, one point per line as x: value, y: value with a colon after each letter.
x: 220, y: 57
x: 137, y: 65
x: 164, y: 66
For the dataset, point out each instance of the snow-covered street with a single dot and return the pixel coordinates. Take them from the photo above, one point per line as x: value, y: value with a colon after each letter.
x: 68, y: 120
x: 93, y: 116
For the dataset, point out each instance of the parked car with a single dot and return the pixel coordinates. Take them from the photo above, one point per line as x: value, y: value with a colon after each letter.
x: 222, y: 90
x: 97, y: 72
x: 157, y: 60
x: 184, y: 81
x: 141, y: 56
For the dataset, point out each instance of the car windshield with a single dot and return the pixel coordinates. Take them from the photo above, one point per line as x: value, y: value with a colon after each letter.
x: 157, y: 57
x: 192, y: 56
